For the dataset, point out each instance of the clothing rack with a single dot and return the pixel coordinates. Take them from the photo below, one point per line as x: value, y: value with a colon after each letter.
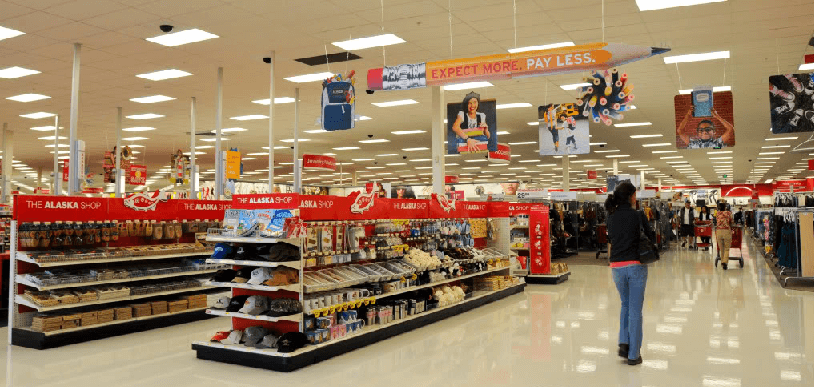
x: 806, y: 235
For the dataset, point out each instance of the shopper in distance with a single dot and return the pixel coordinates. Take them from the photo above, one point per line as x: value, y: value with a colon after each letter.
x: 686, y: 218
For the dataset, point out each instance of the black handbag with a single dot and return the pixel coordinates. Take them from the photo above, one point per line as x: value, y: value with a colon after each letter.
x: 647, y: 250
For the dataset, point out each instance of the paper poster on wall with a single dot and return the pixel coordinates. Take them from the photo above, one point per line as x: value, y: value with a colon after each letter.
x: 791, y: 98
x: 563, y: 130
x: 704, y: 119
x: 471, y: 125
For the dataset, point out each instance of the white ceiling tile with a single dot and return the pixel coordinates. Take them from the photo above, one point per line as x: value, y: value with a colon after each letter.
x: 79, y: 9
x: 73, y: 32
x: 35, y: 21
x: 119, y: 20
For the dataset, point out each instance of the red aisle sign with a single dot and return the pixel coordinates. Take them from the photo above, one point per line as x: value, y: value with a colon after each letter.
x: 65, y: 170
x: 591, y: 175
x: 450, y: 179
x: 138, y: 174
x: 503, y: 153
x: 539, y: 244
x: 319, y: 162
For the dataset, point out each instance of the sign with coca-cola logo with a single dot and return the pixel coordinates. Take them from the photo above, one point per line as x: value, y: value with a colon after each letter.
x: 502, y: 155
x: 319, y: 162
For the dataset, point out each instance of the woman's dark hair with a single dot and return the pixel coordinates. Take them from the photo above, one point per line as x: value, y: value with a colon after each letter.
x: 620, y: 195
x: 721, y: 206
x: 469, y: 96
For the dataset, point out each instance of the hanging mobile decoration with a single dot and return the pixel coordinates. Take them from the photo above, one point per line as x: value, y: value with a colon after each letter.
x: 608, y: 95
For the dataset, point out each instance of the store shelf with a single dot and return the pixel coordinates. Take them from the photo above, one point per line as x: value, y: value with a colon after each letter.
x: 22, y: 280
x: 114, y: 322
x: 236, y: 239
x: 21, y: 300
x: 310, y: 354
x: 295, y: 317
x: 414, y: 288
x: 519, y: 248
x: 21, y: 256
x: 292, y: 264
x: 262, y: 288
x: 520, y: 226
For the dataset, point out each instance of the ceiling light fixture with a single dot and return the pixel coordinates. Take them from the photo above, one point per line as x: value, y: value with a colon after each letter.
x: 164, y: 74
x: 152, y: 99
x: 182, y: 37
x: 27, y: 97
x: 277, y: 101
x: 574, y: 86
x: 44, y: 128
x: 467, y: 85
x: 646, y: 135
x: 374, y: 141
x: 395, y: 103
x: 714, y: 89
x: 632, y: 124
x: 512, y: 105
x: 309, y: 77
x: 346, y: 148
x: 657, y: 144
x: 16, y: 72
x: 138, y: 129
x: 147, y: 116
x: 215, y: 139
x: 543, y: 47
x: 403, y: 132
x: 249, y: 117
x: 523, y: 143
x: 806, y: 67
x: 665, y: 151
x: 415, y: 149
x: 694, y: 57
x: 38, y: 115
x: 368, y: 42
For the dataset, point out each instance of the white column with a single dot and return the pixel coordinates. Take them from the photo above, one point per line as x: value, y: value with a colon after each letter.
x: 118, y: 156
x: 73, y: 173
x: 566, y: 173
x: 193, y: 182
x: 296, y: 158
x: 615, y: 167
x: 56, y: 181
x: 39, y: 177
x: 353, y: 179
x: 271, y: 124
x: 219, y: 171
x: 438, y: 170
x: 659, y: 184
x: 641, y: 178
x: 8, y: 157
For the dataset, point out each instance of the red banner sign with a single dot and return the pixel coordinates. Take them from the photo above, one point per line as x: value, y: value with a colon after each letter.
x: 786, y: 185
x: 319, y: 162
x: 539, y: 250
x: 451, y: 179
x: 65, y: 170
x: 591, y: 175
x: 503, y: 153
x: 138, y: 174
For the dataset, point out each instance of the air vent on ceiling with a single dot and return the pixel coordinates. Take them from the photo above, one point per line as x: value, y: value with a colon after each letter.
x: 330, y: 58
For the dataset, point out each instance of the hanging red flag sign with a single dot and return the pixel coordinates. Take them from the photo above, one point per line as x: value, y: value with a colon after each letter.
x: 319, y: 162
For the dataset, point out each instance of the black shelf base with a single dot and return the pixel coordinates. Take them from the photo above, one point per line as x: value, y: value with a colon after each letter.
x: 293, y: 363
x: 38, y: 340
x: 553, y: 280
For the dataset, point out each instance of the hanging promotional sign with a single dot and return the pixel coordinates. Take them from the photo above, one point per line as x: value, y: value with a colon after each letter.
x: 563, y: 121
x: 472, y: 125
x: 450, y: 179
x: 232, y: 164
x: 591, y: 175
x: 614, y: 180
x: 65, y: 172
x: 562, y: 196
x: 606, y: 97
x: 339, y: 102
x: 503, y: 154
x: 704, y: 119
x: 137, y: 175
x: 791, y: 98
x: 145, y: 201
x: 591, y: 56
x: 319, y: 162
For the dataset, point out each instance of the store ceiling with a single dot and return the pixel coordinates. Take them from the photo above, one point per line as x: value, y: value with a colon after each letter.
x: 764, y: 37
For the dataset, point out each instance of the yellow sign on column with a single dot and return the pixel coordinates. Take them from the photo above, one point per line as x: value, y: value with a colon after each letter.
x: 232, y: 164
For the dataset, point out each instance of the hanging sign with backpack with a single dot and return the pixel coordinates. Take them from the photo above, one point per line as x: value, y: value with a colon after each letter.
x: 338, y: 102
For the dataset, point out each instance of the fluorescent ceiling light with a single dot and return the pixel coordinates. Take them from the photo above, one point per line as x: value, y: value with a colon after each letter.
x: 227, y: 130
x: 714, y: 89
x: 776, y: 146
x: 629, y: 162
x: 152, y: 99
x: 257, y: 154
x: 134, y: 138
x: 182, y: 37
x: 363, y: 159
x: 631, y: 124
x: 543, y: 47
x: 44, y: 128
x: 806, y: 67
x: 147, y: 116
x: 616, y: 156
x: 196, y: 153
x: 718, y: 152
x: 27, y: 97
x: 512, y: 105
x: 393, y: 164
x: 502, y: 132
x: 606, y: 151
x: 58, y: 146
x: 215, y: 139
x: 476, y: 161
x: 665, y: 151
x: 770, y: 153
x: 467, y: 85
x: 310, y: 77
x: 290, y: 140
x: 678, y: 162
x: 574, y: 86
x: 368, y: 42
x: 362, y: 118
x: 657, y: 144
x: 693, y: 57
x: 6, y: 33
x: 523, y: 143
x: 721, y: 158
x: 52, y: 138
x: 277, y: 100
x: 316, y: 131
x: 671, y: 157
x: 249, y: 117
x: 38, y: 115
x: 395, y: 103
x: 164, y: 74
x: 768, y: 158
x: 415, y: 149
x: 403, y: 132
x: 597, y: 143
x: 346, y: 148
x: 387, y: 155
x: 646, y: 135
x: 374, y: 141
x: 16, y: 72
x: 138, y: 129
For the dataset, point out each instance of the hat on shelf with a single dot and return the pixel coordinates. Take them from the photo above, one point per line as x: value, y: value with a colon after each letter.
x: 254, y: 335
x: 283, y: 307
x: 222, y: 303
x: 236, y: 303
x: 222, y: 251
x: 254, y: 305
x: 259, y: 275
x: 282, y: 276
x: 269, y: 341
x: 225, y: 275
x: 291, y: 341
x: 243, y: 275
x: 233, y: 338
x: 282, y: 252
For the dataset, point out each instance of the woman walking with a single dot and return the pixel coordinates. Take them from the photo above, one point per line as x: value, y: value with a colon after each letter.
x: 629, y: 274
x: 723, y: 232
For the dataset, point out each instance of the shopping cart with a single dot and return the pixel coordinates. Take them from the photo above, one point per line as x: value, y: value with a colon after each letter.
x: 703, y: 229
x: 737, y: 238
x: 601, y: 239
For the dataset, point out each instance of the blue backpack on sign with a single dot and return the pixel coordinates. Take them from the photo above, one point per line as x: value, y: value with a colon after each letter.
x: 337, y: 113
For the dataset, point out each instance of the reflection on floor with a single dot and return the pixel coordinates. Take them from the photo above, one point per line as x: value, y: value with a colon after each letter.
x: 703, y: 327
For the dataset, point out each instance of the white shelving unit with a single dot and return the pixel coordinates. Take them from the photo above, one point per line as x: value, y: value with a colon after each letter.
x: 21, y: 256
x: 215, y: 312
x: 116, y: 322
x: 22, y: 280
x: 293, y: 264
x: 20, y: 299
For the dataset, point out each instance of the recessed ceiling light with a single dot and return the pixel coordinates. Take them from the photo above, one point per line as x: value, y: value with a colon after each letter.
x: 387, y: 155
x: 467, y: 85
x: 523, y: 143
x: 714, y: 89
x: 346, y: 148
x: 16, y: 72
x: 534, y: 123
x: 310, y: 77
x: 147, y: 116
x: 597, y: 143
x: 420, y: 160
x: 770, y: 153
x: 616, y: 156
x: 374, y: 141
x: 290, y: 140
x: 476, y: 161
x: 182, y: 37
x: 543, y: 47
x: 60, y: 152
x: 27, y: 97
x: 368, y: 42
x: 574, y: 86
x: 394, y: 164
x: 403, y: 132
x: 646, y: 135
x: 138, y: 129
x: 257, y: 154
x: 694, y: 57
x: 362, y: 118
x: 278, y: 147
x: 395, y: 103
x: 655, y: 144
x: 152, y: 99
x: 164, y: 74
x: 632, y: 124
x: 44, y: 128
x: 316, y: 131
x: 806, y: 67
x: 196, y: 153
x: 215, y: 139
x: 665, y: 151
x: 277, y: 100
x: 249, y: 117
x: 6, y: 33
x: 629, y: 162
x: 38, y: 115
x: 512, y: 105
x: 196, y: 146
x: 58, y: 146
x: 227, y: 130
x: 134, y: 138
x: 776, y: 146
x: 415, y: 149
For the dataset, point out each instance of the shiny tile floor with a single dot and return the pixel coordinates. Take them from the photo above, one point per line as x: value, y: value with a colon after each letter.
x: 703, y: 327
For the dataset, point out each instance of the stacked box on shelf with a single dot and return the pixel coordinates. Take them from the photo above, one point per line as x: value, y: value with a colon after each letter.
x: 123, y: 313
x: 105, y: 315
x: 177, y: 306
x: 158, y: 307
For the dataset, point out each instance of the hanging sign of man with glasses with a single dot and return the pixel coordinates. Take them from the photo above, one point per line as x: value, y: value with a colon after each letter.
x: 699, y: 124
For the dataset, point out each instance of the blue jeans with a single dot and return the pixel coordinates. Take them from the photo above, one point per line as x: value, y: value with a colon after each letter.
x: 631, y: 281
